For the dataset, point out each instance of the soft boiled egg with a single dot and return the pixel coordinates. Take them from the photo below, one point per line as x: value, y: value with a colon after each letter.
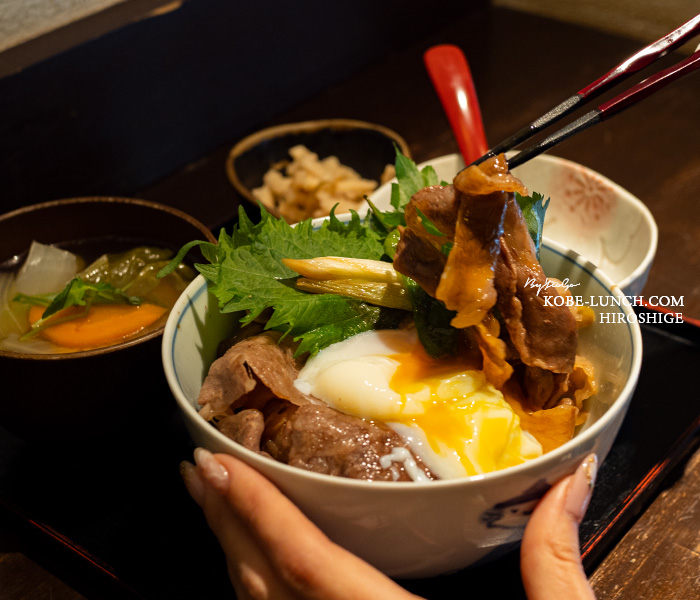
x: 449, y: 415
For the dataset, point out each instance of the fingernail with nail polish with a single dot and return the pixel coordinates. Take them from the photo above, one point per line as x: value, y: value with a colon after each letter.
x: 578, y: 495
x: 193, y: 481
x: 211, y: 469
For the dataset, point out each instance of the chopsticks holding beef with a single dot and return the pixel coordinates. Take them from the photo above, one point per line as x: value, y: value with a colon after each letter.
x: 645, y: 57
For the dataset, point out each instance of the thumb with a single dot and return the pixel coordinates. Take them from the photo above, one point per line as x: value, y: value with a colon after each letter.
x: 550, y: 558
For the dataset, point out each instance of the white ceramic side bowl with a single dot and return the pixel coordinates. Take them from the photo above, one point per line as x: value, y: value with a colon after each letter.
x: 587, y: 213
x: 422, y: 529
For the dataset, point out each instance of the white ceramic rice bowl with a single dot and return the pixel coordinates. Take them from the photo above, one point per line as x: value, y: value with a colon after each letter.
x: 587, y: 212
x: 410, y: 530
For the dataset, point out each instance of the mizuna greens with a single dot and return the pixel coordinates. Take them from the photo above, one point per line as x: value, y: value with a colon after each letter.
x: 76, y: 293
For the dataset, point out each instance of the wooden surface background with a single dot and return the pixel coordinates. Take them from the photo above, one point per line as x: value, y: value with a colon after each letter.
x: 644, y: 20
x: 660, y: 556
x: 152, y: 110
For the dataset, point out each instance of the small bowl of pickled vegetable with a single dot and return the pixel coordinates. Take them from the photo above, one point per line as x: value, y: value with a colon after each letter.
x: 305, y: 169
x: 82, y: 310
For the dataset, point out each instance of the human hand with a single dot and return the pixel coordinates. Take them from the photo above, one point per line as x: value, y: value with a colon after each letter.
x: 274, y: 552
x: 550, y: 559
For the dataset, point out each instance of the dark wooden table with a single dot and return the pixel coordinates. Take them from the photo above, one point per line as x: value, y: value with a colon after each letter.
x: 522, y: 65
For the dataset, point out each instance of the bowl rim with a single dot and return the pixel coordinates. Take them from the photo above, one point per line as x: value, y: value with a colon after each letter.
x: 627, y: 196
x: 199, y: 286
x: 139, y: 339
x: 255, y: 138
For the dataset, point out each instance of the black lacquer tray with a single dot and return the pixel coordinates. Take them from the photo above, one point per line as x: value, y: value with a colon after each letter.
x: 111, y: 516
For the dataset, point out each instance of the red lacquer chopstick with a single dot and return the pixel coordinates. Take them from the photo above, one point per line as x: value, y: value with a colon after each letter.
x: 611, y: 107
x: 645, y: 57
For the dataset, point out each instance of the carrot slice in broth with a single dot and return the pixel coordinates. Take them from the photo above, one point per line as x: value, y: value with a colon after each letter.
x: 104, y: 324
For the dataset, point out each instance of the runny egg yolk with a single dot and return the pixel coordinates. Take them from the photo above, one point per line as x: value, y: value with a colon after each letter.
x: 446, y: 411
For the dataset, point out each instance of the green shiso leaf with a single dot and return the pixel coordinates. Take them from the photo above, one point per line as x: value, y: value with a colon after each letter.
x: 533, y: 208
x: 247, y: 274
x: 410, y: 180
